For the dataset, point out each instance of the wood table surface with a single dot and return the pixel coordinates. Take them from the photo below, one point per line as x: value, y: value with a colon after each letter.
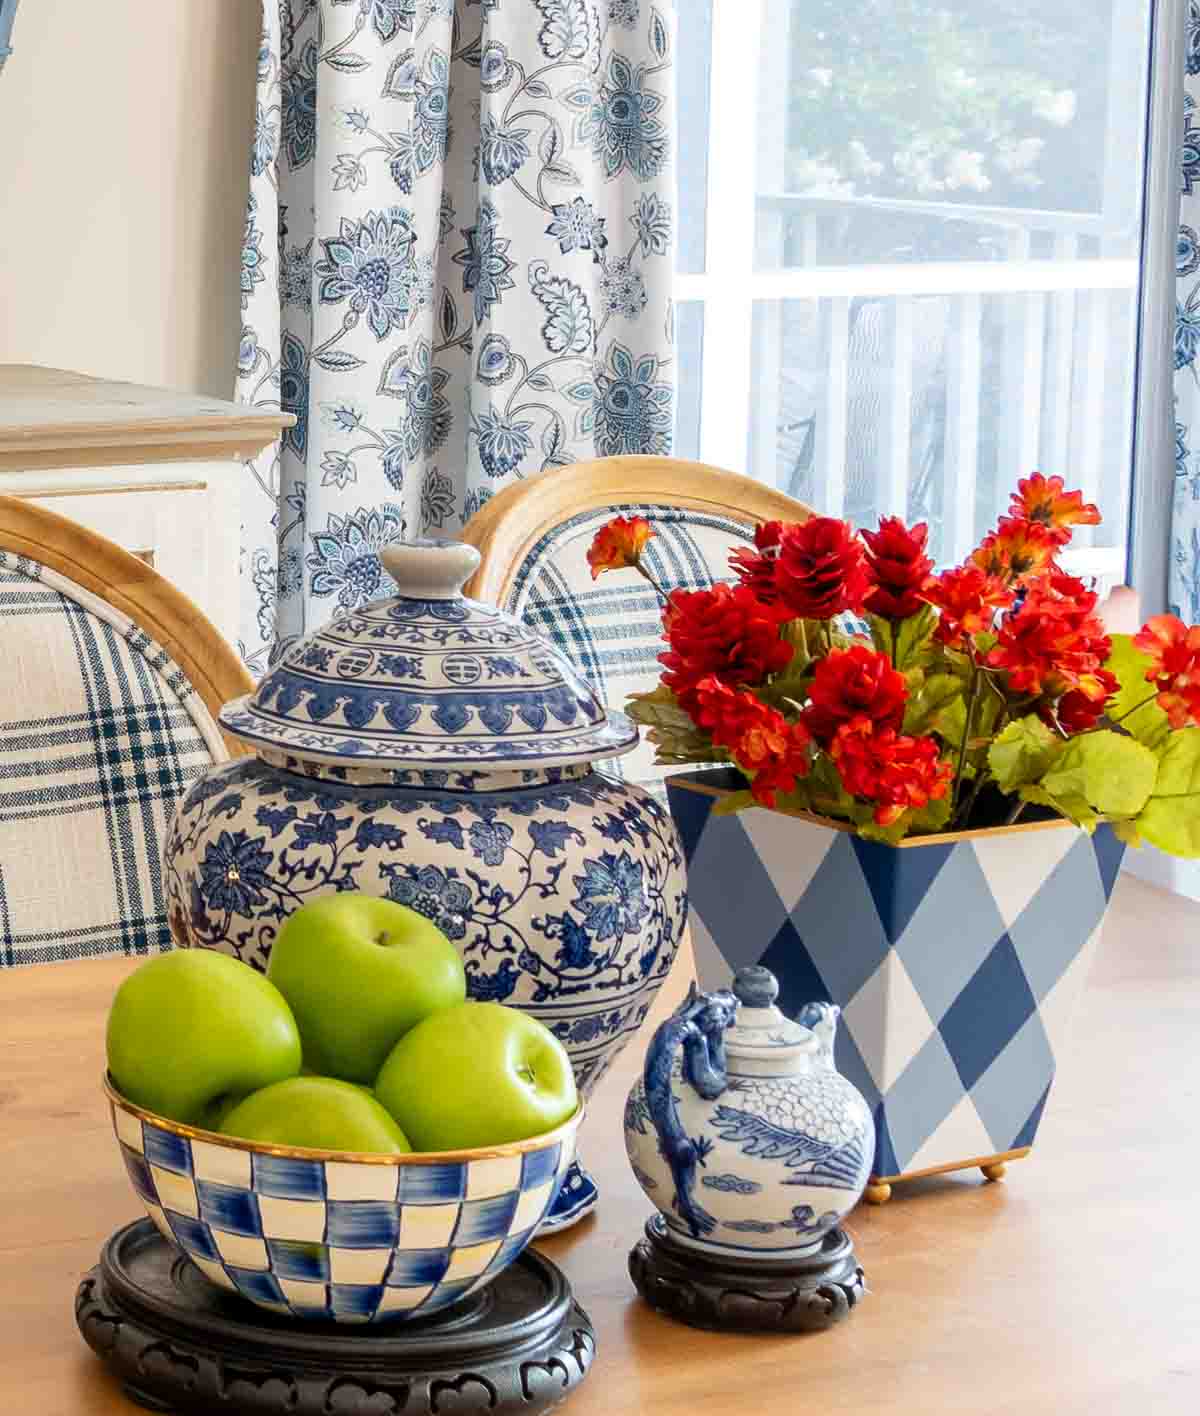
x: 1071, y: 1287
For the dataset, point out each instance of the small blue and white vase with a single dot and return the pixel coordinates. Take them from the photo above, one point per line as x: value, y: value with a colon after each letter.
x: 741, y: 1131
x: 434, y: 750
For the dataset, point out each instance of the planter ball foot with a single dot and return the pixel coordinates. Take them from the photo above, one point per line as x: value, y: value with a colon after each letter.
x: 995, y: 1171
x: 877, y: 1193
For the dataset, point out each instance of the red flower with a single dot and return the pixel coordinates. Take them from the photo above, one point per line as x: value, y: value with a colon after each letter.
x: 815, y: 567
x: 1175, y: 649
x: 968, y: 599
x: 852, y: 683
x: 1016, y: 551
x: 898, y: 773
x: 770, y: 750
x: 1043, y: 501
x: 1054, y: 642
x: 726, y: 631
x: 897, y: 568
x: 1078, y: 711
x: 820, y: 570
x: 756, y: 568
x: 618, y: 545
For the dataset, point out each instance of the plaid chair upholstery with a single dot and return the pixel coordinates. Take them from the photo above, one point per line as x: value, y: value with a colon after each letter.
x: 611, y: 628
x: 100, y: 732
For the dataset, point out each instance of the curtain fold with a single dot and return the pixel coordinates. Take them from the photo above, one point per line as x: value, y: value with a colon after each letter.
x: 456, y: 270
x: 1184, y: 574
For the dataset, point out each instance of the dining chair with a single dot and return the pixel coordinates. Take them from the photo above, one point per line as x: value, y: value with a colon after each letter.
x: 110, y: 680
x: 534, y: 535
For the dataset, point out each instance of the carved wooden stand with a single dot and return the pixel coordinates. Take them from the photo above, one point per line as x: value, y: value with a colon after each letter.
x: 178, y: 1343
x: 748, y: 1295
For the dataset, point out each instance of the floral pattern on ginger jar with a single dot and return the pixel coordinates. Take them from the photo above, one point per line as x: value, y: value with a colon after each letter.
x: 433, y: 750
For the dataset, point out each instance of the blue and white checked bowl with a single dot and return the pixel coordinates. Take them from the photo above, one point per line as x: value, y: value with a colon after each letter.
x: 331, y: 1236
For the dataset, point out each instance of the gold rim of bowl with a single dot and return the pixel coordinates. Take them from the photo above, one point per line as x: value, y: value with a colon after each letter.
x: 216, y: 1138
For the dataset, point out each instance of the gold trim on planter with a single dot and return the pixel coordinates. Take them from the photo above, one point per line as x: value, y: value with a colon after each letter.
x: 216, y: 1138
x: 938, y: 838
x: 991, y: 1165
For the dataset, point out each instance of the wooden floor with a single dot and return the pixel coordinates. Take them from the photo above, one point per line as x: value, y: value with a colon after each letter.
x: 1071, y: 1287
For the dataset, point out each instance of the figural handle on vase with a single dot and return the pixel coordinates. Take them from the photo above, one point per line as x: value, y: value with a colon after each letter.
x: 698, y: 1027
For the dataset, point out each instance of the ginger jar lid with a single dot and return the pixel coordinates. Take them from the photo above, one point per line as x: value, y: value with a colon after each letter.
x: 762, y: 1036
x: 428, y: 679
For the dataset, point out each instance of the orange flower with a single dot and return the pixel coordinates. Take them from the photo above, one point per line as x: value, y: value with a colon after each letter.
x: 770, y: 750
x: 896, y: 772
x: 968, y: 599
x: 618, y: 545
x: 1044, y: 502
x: 1016, y: 551
x: 1175, y: 649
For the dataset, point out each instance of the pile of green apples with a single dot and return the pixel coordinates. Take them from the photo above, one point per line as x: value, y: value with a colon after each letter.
x: 359, y: 1038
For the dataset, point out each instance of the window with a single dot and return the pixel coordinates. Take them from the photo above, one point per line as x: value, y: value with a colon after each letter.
x: 909, y: 256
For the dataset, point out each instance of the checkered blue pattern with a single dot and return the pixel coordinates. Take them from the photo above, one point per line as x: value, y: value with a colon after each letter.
x: 340, y: 1241
x: 956, y: 964
x: 611, y: 628
x: 100, y: 733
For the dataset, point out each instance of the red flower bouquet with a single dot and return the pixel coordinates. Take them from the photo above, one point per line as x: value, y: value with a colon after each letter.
x: 844, y: 677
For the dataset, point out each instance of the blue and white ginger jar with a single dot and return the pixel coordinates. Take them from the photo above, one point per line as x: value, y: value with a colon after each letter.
x: 741, y: 1131
x: 433, y: 750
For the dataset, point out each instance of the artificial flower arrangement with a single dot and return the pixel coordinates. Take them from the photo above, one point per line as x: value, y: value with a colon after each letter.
x: 846, y: 679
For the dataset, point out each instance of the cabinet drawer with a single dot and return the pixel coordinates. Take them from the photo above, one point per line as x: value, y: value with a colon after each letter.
x: 183, y: 521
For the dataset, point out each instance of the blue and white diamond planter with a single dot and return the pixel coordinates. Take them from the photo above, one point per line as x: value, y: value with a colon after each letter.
x: 956, y: 960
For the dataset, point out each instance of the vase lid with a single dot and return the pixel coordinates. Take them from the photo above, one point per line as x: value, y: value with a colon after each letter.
x: 761, y: 1033
x: 428, y: 678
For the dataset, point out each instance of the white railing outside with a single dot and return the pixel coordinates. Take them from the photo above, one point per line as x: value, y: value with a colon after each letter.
x: 1034, y: 346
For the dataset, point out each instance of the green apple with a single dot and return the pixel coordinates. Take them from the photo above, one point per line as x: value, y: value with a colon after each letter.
x: 358, y: 972
x: 479, y: 1074
x: 192, y: 1028
x: 320, y: 1112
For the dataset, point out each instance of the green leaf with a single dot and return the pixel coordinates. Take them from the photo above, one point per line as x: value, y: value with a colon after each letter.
x: 1023, y: 752
x: 1074, y: 808
x: 1149, y: 723
x: 676, y: 739
x: 1127, y: 831
x: 733, y: 802
x: 1171, y: 818
x: 933, y: 816
x: 1112, y: 773
x: 913, y: 636
x: 937, y: 694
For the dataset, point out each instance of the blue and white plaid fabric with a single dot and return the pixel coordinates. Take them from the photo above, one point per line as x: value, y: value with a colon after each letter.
x: 340, y: 1241
x: 100, y: 732
x: 611, y: 628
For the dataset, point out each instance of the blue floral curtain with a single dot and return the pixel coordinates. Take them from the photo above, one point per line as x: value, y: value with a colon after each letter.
x: 1185, y: 532
x: 456, y: 271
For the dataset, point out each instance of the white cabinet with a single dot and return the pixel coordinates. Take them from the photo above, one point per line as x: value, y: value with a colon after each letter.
x: 157, y: 472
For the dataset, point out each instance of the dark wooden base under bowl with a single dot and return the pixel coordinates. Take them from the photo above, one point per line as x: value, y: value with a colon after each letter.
x: 742, y: 1295
x: 178, y: 1343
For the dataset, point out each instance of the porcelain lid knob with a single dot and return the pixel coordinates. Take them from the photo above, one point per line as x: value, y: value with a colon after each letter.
x: 755, y: 987
x: 430, y: 570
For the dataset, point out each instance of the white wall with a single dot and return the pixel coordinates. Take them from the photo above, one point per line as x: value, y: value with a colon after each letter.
x: 124, y: 139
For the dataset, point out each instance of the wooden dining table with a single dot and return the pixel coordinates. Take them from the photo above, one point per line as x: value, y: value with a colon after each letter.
x: 1073, y: 1286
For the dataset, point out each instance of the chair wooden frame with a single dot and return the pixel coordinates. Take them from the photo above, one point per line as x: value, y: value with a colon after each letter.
x: 137, y: 590
x: 506, y: 528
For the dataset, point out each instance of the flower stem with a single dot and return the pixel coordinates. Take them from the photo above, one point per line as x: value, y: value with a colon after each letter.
x: 1013, y: 816
x: 645, y: 574
x: 972, y: 700
x: 1130, y: 711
